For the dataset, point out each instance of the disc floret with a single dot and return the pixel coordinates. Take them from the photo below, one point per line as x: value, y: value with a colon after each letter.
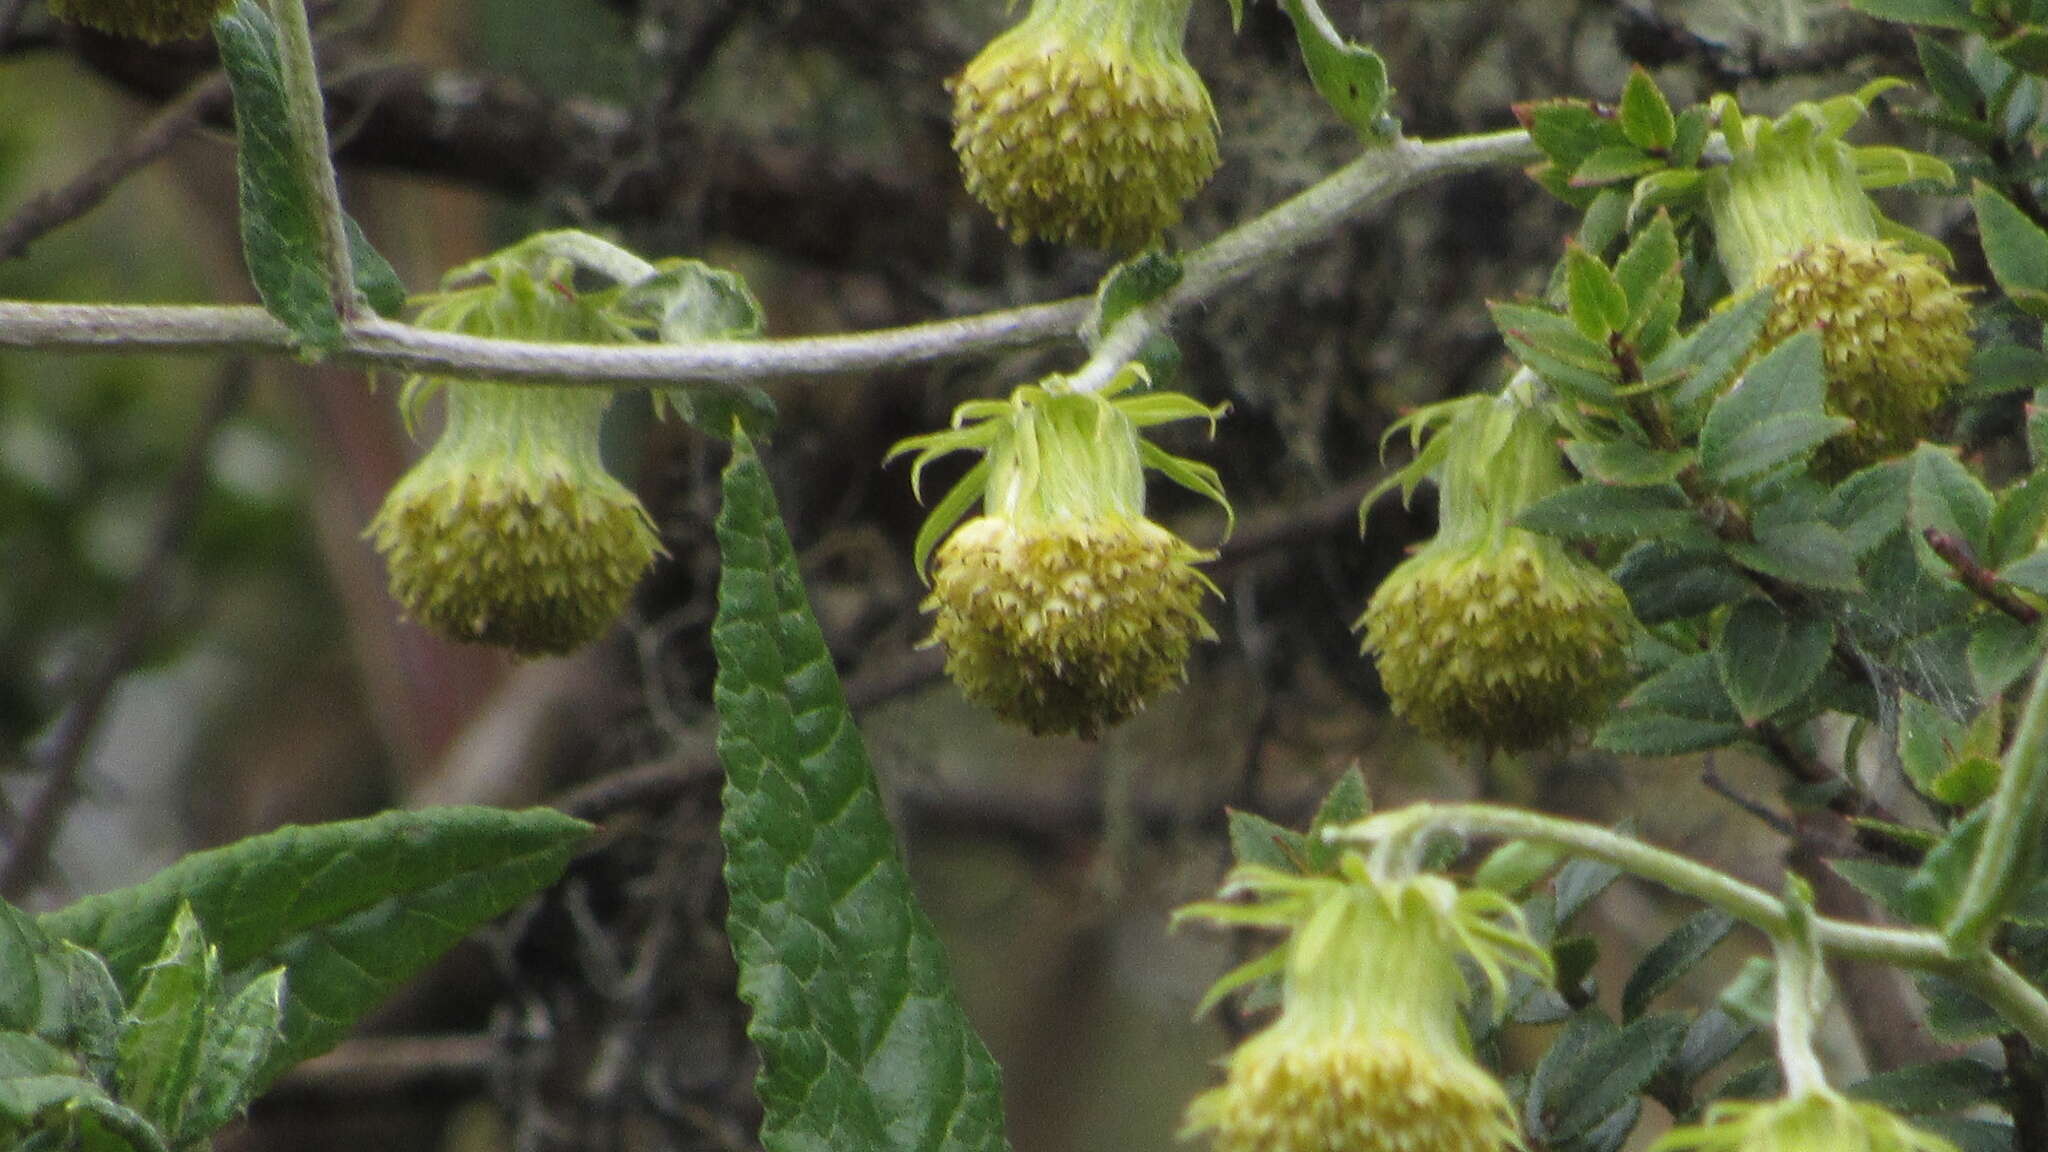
x: 509, y: 530
x: 1791, y: 216
x: 1085, y: 124
x: 1491, y: 634
x: 1062, y: 607
x: 1369, y: 1053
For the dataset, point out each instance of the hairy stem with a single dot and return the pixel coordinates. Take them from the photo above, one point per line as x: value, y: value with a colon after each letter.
x: 2006, y: 991
x: 316, y: 162
x: 374, y: 343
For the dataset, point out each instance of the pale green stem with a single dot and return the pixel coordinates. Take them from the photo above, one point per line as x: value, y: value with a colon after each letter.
x: 308, y: 110
x: 2010, y: 830
x: 1991, y: 979
x: 1801, y: 991
x: 373, y: 342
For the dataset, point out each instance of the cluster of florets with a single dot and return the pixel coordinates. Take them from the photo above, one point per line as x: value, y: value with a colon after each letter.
x: 510, y: 531
x: 1491, y: 634
x: 1085, y: 124
x: 1062, y: 607
x: 1369, y: 1053
x: 1507, y: 640
x: 1791, y: 217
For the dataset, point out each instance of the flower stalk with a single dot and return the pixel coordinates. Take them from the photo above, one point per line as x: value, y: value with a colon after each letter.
x: 2010, y: 832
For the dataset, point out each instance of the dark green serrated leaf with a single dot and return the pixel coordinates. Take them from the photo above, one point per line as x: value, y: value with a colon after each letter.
x: 1611, y: 1072
x: 1613, y: 163
x: 1943, y: 495
x: 376, y: 279
x: 2020, y: 521
x: 1970, y: 1135
x: 1665, y: 583
x: 1257, y: 840
x: 281, y: 233
x: 159, y: 1056
x: 1814, y: 554
x: 1347, y: 802
x: 1645, y: 115
x: 862, y: 1042
x: 1553, y: 347
x: 2002, y: 650
x: 28, y: 1099
x: 2014, y: 245
x: 94, y: 1015
x: 2026, y: 48
x: 1931, y: 893
x: 21, y: 996
x: 1682, y: 708
x: 1882, y: 882
x: 1948, y: 77
x: 1596, y: 302
x: 1651, y: 257
x: 1767, y: 657
x: 1870, y: 506
x: 1132, y: 285
x: 1928, y: 13
x: 1997, y: 369
x: 2029, y: 572
x: 1774, y: 416
x: 1712, y: 355
x: 1930, y: 740
x: 1350, y: 76
x: 350, y: 910
x: 233, y: 1053
x: 1955, y: 1015
x: 1713, y: 1037
x: 1674, y: 956
x: 1578, y: 883
x: 1611, y: 510
x: 1625, y: 462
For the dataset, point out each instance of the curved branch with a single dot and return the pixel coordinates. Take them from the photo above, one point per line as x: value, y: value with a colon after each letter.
x: 383, y: 344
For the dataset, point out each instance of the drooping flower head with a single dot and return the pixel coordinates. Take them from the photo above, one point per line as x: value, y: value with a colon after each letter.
x: 1791, y: 216
x: 1085, y: 124
x: 1062, y: 607
x: 1491, y: 634
x: 1369, y: 1053
x: 1817, y: 1120
x: 509, y: 531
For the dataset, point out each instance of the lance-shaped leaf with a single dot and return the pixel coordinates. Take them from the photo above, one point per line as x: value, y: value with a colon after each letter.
x: 863, y: 1045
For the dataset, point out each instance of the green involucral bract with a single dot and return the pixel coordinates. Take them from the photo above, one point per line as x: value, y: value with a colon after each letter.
x: 1790, y: 216
x: 1491, y: 634
x: 510, y: 531
x: 1062, y: 607
x: 152, y: 20
x: 1820, y: 1120
x: 1085, y: 124
x: 1369, y: 1053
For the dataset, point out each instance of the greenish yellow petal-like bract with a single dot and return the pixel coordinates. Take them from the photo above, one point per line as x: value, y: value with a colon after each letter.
x: 1062, y: 607
x: 1369, y: 1053
x: 1490, y: 634
x: 1085, y: 124
x: 1791, y: 217
x: 509, y: 531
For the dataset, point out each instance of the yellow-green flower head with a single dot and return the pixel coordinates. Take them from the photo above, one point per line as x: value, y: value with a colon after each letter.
x: 153, y: 20
x: 1791, y: 216
x: 1819, y: 1120
x: 1369, y: 1053
x: 510, y: 531
x: 1491, y: 634
x: 1085, y: 124
x: 1061, y: 607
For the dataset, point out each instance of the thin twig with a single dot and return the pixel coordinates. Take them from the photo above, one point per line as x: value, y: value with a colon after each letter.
x: 1756, y: 809
x: 1981, y: 581
x: 63, y: 753
x: 375, y: 343
x: 57, y: 206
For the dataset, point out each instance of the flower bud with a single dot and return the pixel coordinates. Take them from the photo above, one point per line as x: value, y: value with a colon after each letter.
x: 1491, y: 634
x: 1818, y: 1120
x: 1062, y: 607
x: 509, y: 531
x: 1791, y: 217
x: 1085, y: 124
x: 1369, y: 1053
